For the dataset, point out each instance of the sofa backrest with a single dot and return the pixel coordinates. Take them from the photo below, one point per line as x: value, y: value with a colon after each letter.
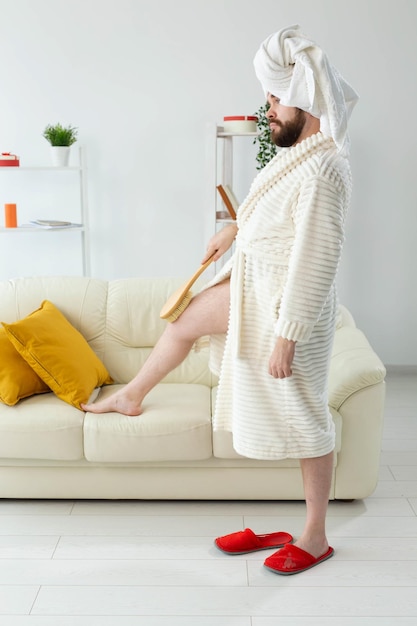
x: 119, y: 318
x: 134, y: 326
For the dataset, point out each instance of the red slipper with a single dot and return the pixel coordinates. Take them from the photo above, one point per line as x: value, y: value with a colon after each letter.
x: 293, y: 560
x: 246, y: 541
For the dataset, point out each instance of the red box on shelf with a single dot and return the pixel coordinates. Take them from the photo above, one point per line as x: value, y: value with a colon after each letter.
x: 9, y: 160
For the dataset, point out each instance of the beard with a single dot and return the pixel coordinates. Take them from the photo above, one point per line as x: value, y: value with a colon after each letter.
x: 288, y: 132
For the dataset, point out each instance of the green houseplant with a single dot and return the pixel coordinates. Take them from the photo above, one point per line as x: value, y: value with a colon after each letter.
x: 58, y: 135
x: 266, y: 147
x: 60, y: 139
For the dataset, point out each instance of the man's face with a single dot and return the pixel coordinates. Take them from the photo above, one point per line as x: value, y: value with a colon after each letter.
x: 286, y: 123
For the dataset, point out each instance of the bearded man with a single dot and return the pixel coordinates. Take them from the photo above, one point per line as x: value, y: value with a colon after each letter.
x: 271, y: 309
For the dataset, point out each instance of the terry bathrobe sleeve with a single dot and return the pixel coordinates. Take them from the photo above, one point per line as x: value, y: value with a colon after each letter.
x: 318, y: 218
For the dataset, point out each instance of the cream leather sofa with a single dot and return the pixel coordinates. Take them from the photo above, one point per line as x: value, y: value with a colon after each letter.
x: 49, y: 449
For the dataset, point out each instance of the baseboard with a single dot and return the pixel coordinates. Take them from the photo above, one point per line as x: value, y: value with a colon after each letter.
x: 401, y: 369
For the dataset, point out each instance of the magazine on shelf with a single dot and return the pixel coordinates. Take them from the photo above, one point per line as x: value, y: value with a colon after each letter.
x: 53, y: 224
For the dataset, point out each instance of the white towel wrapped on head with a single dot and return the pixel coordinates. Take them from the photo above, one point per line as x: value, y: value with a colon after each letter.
x: 295, y: 69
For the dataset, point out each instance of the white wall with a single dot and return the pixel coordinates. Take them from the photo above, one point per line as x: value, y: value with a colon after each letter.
x: 141, y: 80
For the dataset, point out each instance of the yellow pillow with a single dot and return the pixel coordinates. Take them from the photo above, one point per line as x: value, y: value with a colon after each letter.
x: 17, y: 378
x: 58, y: 353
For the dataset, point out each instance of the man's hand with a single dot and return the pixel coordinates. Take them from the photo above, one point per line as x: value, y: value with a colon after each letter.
x: 282, y: 358
x: 220, y: 242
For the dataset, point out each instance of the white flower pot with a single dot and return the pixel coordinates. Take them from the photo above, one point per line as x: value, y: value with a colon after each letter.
x: 60, y: 155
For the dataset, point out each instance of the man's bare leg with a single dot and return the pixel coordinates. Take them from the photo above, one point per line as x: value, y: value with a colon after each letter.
x: 207, y: 313
x: 317, y: 478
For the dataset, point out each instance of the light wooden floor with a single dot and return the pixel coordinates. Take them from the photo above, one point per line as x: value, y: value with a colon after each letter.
x: 65, y: 563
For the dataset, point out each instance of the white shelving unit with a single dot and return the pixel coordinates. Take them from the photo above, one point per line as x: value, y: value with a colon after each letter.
x: 22, y: 232
x: 221, y: 171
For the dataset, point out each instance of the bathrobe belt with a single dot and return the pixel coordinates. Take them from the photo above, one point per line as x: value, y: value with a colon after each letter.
x: 245, y: 249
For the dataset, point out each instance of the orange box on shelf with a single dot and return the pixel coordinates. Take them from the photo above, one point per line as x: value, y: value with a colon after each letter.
x: 10, y: 215
x: 7, y: 159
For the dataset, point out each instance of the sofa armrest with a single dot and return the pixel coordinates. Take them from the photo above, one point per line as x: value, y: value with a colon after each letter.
x: 354, y: 365
x: 344, y: 317
x: 357, y: 393
x: 358, y: 461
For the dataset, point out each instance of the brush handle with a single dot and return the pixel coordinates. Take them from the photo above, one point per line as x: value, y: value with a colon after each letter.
x: 175, y: 300
x: 198, y: 273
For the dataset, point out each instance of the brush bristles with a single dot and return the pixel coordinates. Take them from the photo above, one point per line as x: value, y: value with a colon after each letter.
x: 180, y: 308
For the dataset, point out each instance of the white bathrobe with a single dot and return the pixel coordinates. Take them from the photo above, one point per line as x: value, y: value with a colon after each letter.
x: 282, y: 283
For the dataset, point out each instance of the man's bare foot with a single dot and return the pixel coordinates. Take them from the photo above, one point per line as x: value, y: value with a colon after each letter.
x: 117, y: 403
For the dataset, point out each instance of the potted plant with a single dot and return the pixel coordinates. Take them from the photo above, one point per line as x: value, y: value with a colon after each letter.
x: 60, y: 138
x: 266, y: 147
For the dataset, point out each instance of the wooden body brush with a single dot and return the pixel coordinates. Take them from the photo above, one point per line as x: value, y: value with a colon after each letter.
x: 181, y: 298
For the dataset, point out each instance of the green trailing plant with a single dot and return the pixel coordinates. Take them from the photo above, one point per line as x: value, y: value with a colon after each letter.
x: 58, y: 135
x: 266, y: 147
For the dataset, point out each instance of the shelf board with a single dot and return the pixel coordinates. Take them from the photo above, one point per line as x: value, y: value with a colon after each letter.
x: 27, y: 168
x: 223, y: 134
x: 40, y: 229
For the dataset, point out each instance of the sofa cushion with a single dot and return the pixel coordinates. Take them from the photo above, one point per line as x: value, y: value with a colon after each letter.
x: 175, y: 425
x: 58, y: 353
x: 41, y: 427
x: 133, y: 327
x: 17, y: 378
